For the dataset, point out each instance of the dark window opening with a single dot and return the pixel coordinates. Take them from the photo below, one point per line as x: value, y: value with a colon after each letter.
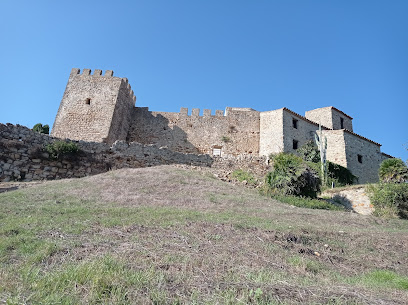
x: 295, y: 144
x: 341, y: 123
x: 88, y: 101
x: 360, y: 158
x: 295, y: 123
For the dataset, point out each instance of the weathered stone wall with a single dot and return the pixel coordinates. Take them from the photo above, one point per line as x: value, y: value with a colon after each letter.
x: 330, y: 117
x: 271, y: 132
x: 361, y: 156
x: 371, y: 157
x: 304, y: 132
x: 336, y: 150
x: 22, y: 156
x: 235, y: 133
x: 94, y: 107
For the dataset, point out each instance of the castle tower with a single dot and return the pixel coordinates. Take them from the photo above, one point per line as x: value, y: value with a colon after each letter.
x: 94, y: 107
x: 330, y: 117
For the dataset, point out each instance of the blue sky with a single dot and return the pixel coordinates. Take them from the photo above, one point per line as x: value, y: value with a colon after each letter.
x: 212, y: 54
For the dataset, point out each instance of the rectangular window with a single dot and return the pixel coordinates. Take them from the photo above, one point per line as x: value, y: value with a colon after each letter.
x: 216, y: 151
x: 295, y: 144
x: 295, y: 123
x: 341, y: 123
x: 360, y: 158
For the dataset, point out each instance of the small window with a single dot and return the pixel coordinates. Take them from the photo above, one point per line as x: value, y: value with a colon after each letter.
x: 360, y: 158
x: 295, y: 123
x: 88, y: 101
x: 295, y: 144
x: 341, y: 123
x: 216, y: 151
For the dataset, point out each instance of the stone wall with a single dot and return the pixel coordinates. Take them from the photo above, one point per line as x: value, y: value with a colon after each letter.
x: 336, y: 150
x: 366, y: 168
x: 271, y: 132
x: 94, y: 107
x: 330, y: 117
x: 304, y: 131
x: 22, y: 156
x: 236, y: 132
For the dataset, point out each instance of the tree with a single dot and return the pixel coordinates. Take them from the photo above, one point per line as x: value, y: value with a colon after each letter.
x: 41, y: 128
x: 309, y: 152
x: 393, y: 170
x: 292, y: 176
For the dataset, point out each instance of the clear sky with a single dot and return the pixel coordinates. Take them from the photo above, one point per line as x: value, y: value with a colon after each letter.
x: 304, y: 54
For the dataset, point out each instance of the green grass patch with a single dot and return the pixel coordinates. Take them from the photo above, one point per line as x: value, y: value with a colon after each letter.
x: 242, y: 175
x: 310, y: 203
x: 382, y: 279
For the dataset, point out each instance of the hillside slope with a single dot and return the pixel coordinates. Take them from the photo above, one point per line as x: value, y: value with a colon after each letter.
x: 166, y: 235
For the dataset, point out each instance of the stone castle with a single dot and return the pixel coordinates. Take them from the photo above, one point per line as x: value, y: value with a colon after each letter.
x: 101, y: 108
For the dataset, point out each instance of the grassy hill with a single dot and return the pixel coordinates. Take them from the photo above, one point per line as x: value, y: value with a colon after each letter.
x: 167, y: 235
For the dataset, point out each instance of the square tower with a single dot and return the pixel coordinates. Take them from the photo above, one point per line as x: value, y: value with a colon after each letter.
x: 330, y: 117
x: 94, y: 108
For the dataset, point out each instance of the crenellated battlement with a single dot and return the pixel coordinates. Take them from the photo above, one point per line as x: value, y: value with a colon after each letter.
x: 88, y: 72
x: 129, y: 88
x: 195, y: 112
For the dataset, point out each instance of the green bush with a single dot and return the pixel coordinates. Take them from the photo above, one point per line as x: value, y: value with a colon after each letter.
x: 389, y: 199
x: 337, y: 174
x: 41, y: 128
x: 59, y: 149
x: 292, y: 176
x: 242, y: 175
x: 393, y: 170
x: 309, y: 152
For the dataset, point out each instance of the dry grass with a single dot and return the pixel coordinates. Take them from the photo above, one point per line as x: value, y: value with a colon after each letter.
x: 166, y: 235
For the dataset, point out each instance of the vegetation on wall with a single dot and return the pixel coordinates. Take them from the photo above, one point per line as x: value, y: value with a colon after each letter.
x: 41, y: 128
x: 225, y: 139
x: 59, y: 149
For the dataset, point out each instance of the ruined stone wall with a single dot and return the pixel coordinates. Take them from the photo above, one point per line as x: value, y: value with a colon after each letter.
x: 235, y: 133
x: 94, y: 107
x: 271, y: 132
x: 330, y: 117
x: 22, y: 156
x: 304, y: 131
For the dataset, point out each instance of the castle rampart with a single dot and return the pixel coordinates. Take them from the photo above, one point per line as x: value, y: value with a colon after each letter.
x: 102, y: 109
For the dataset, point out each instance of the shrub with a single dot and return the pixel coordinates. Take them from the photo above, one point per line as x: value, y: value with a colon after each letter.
x: 340, y: 175
x: 389, y: 199
x: 242, y: 175
x: 337, y: 174
x: 59, y: 149
x: 292, y: 176
x: 393, y: 170
x: 309, y: 152
x: 41, y: 128
x: 225, y: 139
